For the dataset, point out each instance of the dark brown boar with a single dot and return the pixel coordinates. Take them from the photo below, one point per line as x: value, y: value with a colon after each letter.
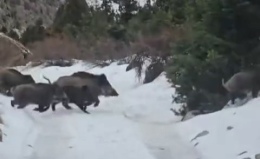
x: 100, y: 81
x: 42, y: 94
x: 10, y: 78
x: 241, y: 83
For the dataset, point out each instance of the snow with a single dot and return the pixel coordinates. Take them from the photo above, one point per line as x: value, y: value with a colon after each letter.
x: 136, y: 124
x: 115, y: 6
x: 232, y: 133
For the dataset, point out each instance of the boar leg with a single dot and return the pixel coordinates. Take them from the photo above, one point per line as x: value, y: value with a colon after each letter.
x: 21, y: 106
x: 13, y: 103
x: 232, y: 97
x: 87, y: 104
x: 65, y: 104
x: 255, y: 92
x: 96, y: 102
x: 53, y: 106
x: 82, y: 107
x: 239, y: 95
x: 43, y: 108
x: 36, y: 109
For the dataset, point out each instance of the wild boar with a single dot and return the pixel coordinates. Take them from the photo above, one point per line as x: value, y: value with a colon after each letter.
x: 100, y: 81
x: 80, y: 96
x: 10, y: 78
x: 14, y: 71
x: 80, y: 82
x: 241, y: 83
x: 42, y: 94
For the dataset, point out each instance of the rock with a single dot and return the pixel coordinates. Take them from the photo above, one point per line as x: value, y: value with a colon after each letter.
x: 153, y: 71
x: 242, y: 153
x: 230, y: 128
x: 203, y: 133
x: 196, y: 144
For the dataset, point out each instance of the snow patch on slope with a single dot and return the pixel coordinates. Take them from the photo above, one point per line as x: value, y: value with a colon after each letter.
x: 232, y: 133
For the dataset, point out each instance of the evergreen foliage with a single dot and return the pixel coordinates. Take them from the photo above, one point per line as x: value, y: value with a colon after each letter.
x: 210, y: 39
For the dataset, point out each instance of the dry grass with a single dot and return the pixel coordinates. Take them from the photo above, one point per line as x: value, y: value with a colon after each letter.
x: 60, y: 47
x: 104, y: 49
x: 159, y: 44
x: 54, y: 48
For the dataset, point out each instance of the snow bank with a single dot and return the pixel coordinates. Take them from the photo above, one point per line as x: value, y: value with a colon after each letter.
x: 228, y: 134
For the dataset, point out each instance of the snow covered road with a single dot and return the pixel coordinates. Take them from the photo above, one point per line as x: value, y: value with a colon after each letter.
x: 135, y: 125
x: 67, y: 135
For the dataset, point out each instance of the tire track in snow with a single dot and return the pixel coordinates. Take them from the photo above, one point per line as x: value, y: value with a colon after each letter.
x: 27, y: 147
x: 56, y: 135
x: 165, y: 143
x: 163, y: 140
x: 59, y: 136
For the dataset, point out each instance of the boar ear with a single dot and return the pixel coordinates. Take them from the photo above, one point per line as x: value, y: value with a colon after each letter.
x: 84, y: 88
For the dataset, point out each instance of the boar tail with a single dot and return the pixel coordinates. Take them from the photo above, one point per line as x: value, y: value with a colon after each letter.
x: 11, y: 91
x: 47, y: 79
x: 223, y: 82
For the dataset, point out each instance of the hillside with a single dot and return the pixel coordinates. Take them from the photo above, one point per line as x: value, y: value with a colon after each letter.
x: 181, y: 52
x: 21, y: 13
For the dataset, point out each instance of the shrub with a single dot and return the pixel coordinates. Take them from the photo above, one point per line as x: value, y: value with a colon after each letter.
x: 54, y: 48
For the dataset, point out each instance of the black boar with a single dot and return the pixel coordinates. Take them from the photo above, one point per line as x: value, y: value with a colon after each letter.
x: 42, y: 94
x: 79, y: 82
x: 80, y: 96
x: 241, y: 83
x: 100, y: 81
x: 10, y: 78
